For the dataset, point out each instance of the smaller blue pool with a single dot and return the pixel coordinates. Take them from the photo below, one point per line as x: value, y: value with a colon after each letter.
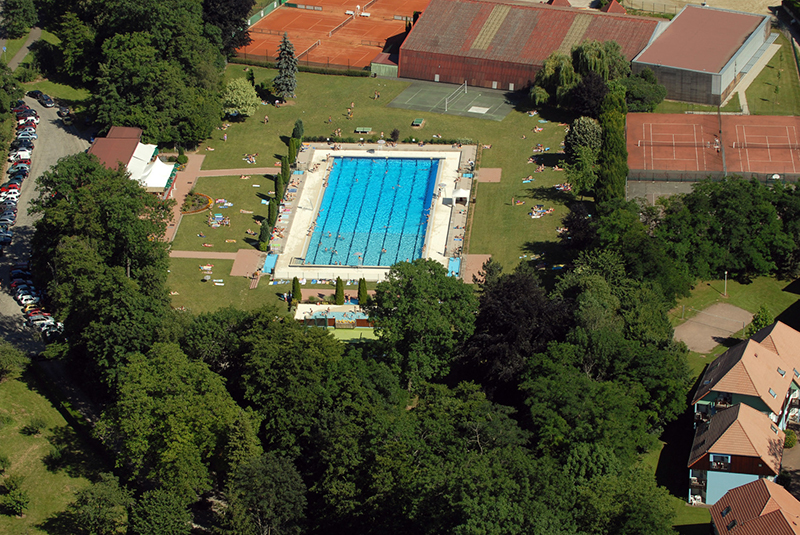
x: 374, y: 212
x: 454, y: 267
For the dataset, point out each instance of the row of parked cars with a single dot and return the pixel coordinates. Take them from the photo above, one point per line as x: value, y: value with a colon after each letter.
x: 29, y: 299
x: 20, y: 154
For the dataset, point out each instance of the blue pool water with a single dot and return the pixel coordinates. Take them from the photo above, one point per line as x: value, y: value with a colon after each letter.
x: 372, y: 205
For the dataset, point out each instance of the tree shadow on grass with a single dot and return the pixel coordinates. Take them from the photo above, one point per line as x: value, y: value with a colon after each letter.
x: 61, y: 523
x: 791, y: 316
x: 69, y: 453
x: 551, y: 194
x: 693, y: 529
x: 726, y: 341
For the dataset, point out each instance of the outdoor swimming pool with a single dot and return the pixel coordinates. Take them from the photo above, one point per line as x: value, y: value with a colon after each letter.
x: 374, y: 212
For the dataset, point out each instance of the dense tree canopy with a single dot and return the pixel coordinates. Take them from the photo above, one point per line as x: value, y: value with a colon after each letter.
x: 19, y: 16
x: 422, y: 316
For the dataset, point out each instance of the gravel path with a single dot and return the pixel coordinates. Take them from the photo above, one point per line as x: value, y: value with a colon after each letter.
x: 55, y: 141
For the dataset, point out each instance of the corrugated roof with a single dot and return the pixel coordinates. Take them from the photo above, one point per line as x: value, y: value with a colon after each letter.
x: 113, y: 151
x: 750, y: 369
x: 701, y: 39
x: 759, y: 507
x: 613, y: 7
x: 739, y: 430
x: 520, y: 32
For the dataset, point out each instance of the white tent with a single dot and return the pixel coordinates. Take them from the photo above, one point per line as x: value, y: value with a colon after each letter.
x: 150, y: 172
x: 461, y: 196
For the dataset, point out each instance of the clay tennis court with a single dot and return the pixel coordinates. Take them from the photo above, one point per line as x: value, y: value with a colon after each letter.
x: 673, y: 142
x: 694, y: 143
x: 330, y: 33
x: 762, y: 144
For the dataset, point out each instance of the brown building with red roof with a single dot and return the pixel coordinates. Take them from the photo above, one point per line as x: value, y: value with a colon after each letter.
x: 704, y: 52
x: 502, y: 44
x: 736, y: 446
x: 756, y: 508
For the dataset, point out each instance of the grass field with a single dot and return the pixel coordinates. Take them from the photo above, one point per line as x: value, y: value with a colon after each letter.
x: 198, y: 296
x: 499, y: 228
x: 776, y: 90
x: 674, y: 106
x: 50, y: 486
x: 243, y: 196
x: 13, y: 46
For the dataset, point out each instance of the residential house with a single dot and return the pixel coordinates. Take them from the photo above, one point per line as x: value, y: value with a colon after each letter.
x: 758, y: 508
x: 755, y: 374
x: 736, y: 446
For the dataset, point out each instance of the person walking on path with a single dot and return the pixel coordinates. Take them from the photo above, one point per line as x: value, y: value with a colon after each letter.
x: 224, y: 137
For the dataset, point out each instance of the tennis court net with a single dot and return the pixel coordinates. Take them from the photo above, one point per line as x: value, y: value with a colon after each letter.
x: 765, y: 146
x: 653, y: 143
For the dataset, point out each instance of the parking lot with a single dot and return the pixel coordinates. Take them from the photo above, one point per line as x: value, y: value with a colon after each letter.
x: 55, y: 141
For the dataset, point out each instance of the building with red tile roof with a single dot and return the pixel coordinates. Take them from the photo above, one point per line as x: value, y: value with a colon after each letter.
x: 704, y: 52
x: 614, y: 7
x: 736, y: 446
x: 757, y: 508
x: 559, y: 3
x: 502, y: 44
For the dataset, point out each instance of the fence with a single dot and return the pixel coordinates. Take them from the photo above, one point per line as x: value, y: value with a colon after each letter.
x: 309, y: 49
x: 348, y: 20
x: 650, y: 175
x: 269, y: 8
x: 652, y: 7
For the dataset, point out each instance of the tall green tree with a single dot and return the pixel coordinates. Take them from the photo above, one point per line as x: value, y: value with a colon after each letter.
x: 762, y: 318
x: 557, y: 78
x: 19, y: 16
x: 285, y: 83
x: 363, y: 295
x: 339, y: 295
x: 230, y: 16
x: 583, y: 132
x: 160, y: 512
x: 602, y: 58
x: 422, y: 316
x: 170, y: 420
x: 240, y: 98
x: 297, y: 291
x: 102, y: 508
x: 613, y: 162
x: 298, y: 130
x: 266, y: 496
x: 12, y: 360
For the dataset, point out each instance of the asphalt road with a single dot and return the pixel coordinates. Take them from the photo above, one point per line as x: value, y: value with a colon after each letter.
x: 55, y: 141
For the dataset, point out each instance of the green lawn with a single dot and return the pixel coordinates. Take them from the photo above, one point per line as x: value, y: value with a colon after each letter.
x: 674, y: 106
x: 243, y: 196
x: 13, y: 46
x: 776, y: 90
x: 499, y: 228
x: 361, y: 333
x: 50, y: 486
x: 198, y: 296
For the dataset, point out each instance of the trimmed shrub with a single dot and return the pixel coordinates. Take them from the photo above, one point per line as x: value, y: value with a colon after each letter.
x: 339, y: 298
x: 362, y: 292
x: 791, y: 439
x: 182, y: 159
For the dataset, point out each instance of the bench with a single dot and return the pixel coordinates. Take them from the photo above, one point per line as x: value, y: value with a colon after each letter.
x: 417, y: 122
x: 363, y: 14
x: 349, y: 12
x: 363, y: 129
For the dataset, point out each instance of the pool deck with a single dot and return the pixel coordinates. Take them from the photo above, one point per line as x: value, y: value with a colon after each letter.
x: 441, y: 237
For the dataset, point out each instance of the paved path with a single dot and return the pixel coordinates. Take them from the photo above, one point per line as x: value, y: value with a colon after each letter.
x: 251, y: 171
x: 203, y: 255
x: 34, y: 35
x: 751, y: 75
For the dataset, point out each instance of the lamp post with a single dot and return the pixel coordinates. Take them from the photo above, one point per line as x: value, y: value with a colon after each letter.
x: 725, y: 293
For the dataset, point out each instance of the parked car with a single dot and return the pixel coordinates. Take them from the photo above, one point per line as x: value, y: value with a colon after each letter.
x: 27, y: 135
x: 28, y: 299
x: 68, y: 121
x: 35, y: 93
x: 22, y: 144
x: 28, y: 129
x: 63, y: 111
x: 18, y: 167
x: 19, y: 106
x: 28, y: 119
x: 27, y: 113
x: 19, y: 154
x: 46, y: 101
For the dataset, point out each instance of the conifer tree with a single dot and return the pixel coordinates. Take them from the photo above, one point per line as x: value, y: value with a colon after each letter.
x: 362, y: 292
x: 285, y: 83
x: 339, y: 291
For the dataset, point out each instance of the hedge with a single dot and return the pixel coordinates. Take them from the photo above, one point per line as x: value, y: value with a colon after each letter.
x: 301, y: 68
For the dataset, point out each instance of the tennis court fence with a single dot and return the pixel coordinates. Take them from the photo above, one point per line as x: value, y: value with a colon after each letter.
x: 269, y: 61
x: 651, y: 175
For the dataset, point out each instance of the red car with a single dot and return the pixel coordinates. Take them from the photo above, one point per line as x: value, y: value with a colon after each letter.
x: 10, y: 187
x: 27, y: 124
x: 26, y: 161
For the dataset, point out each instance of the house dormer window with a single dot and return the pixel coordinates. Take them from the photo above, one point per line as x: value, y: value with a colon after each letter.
x: 782, y: 372
x: 725, y: 511
x: 772, y: 393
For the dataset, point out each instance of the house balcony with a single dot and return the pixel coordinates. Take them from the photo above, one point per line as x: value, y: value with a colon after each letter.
x: 697, y: 484
x: 721, y: 404
x: 700, y: 417
x: 721, y: 466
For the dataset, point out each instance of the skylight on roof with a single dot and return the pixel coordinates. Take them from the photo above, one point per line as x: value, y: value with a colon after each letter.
x: 725, y: 511
x: 772, y: 393
x: 774, y: 429
x: 731, y: 525
x: 782, y: 372
x: 796, y: 373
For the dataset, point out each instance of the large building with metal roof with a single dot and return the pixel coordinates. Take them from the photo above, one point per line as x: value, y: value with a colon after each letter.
x: 703, y: 52
x: 502, y: 44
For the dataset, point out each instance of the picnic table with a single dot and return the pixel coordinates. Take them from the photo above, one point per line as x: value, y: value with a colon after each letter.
x: 363, y: 129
